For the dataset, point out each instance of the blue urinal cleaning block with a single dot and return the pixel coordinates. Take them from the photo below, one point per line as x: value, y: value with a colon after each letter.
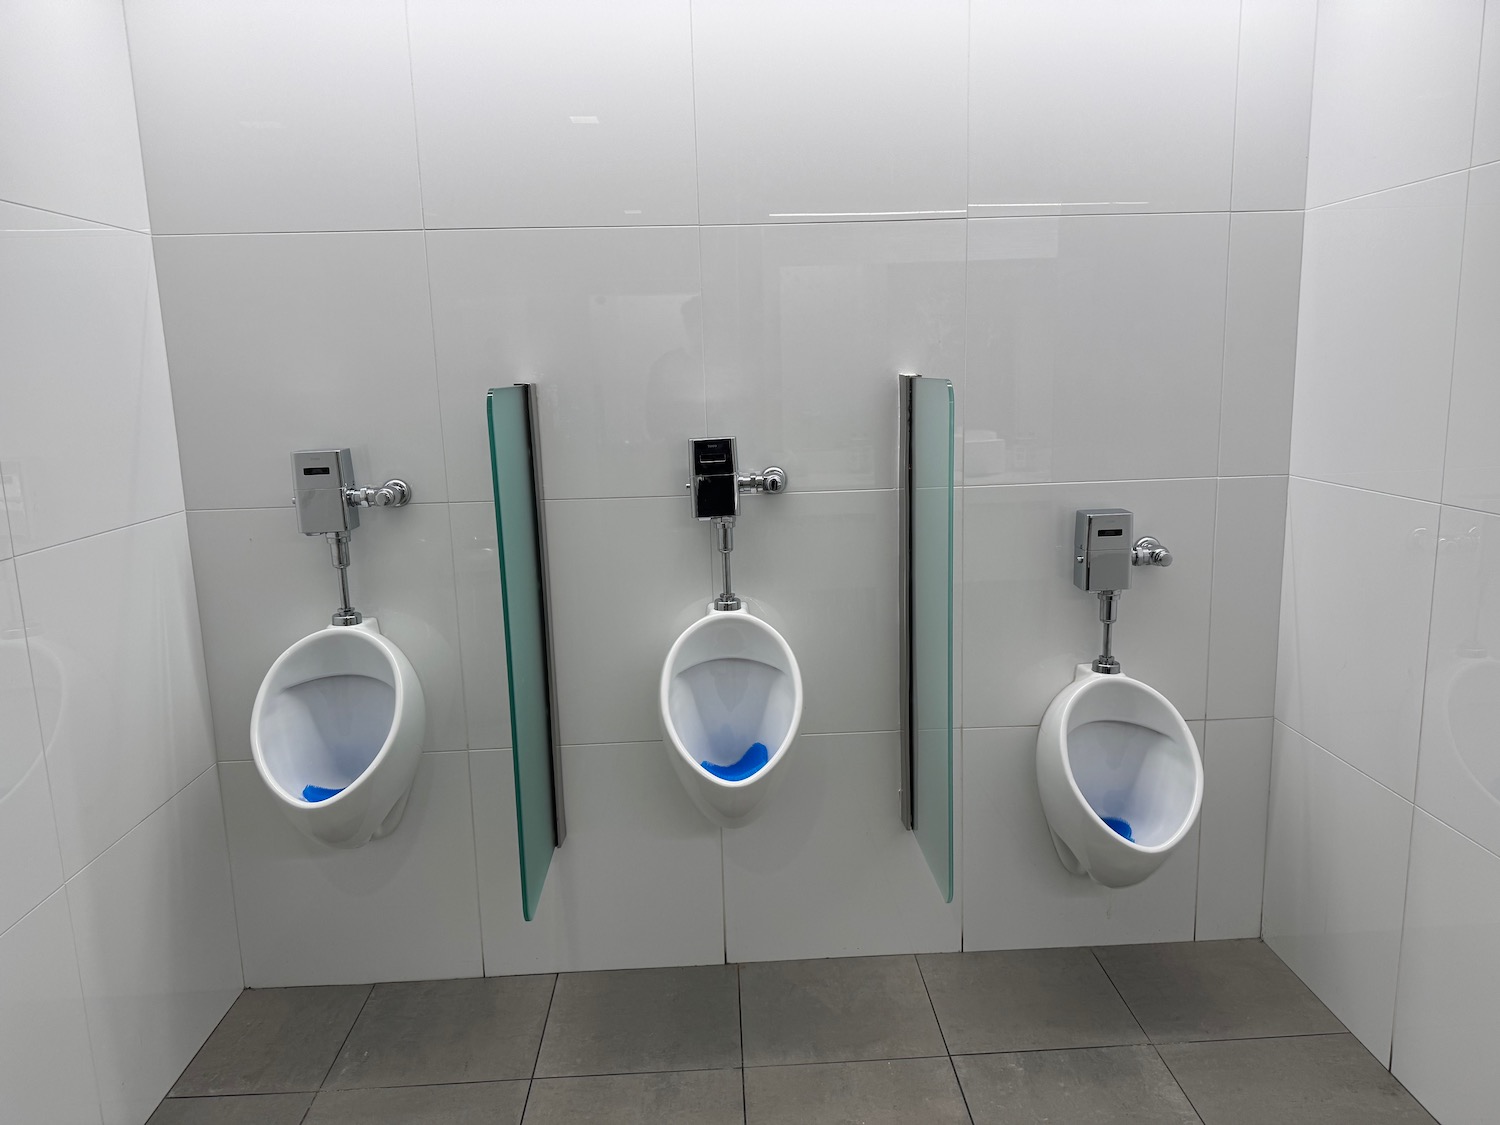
x: 318, y: 793
x: 1120, y: 826
x: 751, y: 761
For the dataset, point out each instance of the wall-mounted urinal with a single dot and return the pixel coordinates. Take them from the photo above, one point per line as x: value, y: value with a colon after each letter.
x: 730, y: 698
x: 1120, y: 776
x: 336, y: 730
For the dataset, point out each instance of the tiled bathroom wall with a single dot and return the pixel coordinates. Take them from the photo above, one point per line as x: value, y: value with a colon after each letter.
x: 723, y: 217
x: 1384, y: 854
x: 118, y: 944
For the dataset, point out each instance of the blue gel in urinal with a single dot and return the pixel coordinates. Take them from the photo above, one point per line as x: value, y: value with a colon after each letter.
x: 750, y: 762
x: 318, y: 793
x: 1119, y: 825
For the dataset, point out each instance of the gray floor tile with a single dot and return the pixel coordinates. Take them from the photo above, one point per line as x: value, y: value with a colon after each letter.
x: 429, y: 1032
x: 898, y: 1092
x: 1195, y: 990
x: 247, y: 1109
x: 694, y: 1097
x: 1090, y: 1086
x: 840, y: 1010
x: 473, y: 1103
x: 1026, y: 1000
x: 634, y: 1020
x: 274, y: 1040
x: 1311, y: 1080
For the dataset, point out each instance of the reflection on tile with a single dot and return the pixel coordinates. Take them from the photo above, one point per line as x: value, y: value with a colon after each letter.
x: 319, y: 148
x: 400, y: 908
x: 1087, y: 332
x: 1472, y: 476
x: 1232, y: 849
x: 607, y: 323
x: 1487, y: 123
x: 805, y: 328
x: 1144, y: 94
x: 1375, y: 339
x: 1249, y: 536
x: 1335, y: 879
x: 481, y: 625
x: 798, y: 118
x: 871, y: 1093
x: 1093, y: 1086
x: 1273, y: 104
x: 605, y: 126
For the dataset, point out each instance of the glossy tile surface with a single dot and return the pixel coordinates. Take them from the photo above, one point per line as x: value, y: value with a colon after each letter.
x: 1009, y: 858
x: 469, y: 1103
x: 282, y: 335
x: 401, y: 908
x: 86, y: 381
x: 1375, y: 339
x: 1091, y: 1086
x: 1087, y: 331
x: 1487, y: 109
x: 1335, y: 879
x: 515, y: 132
x: 1232, y: 836
x: 1111, y: 80
x: 1472, y: 476
x: 481, y: 624
x: 154, y: 921
x: 805, y: 328
x: 607, y: 324
x: 638, y: 882
x: 798, y: 118
x: 1273, y: 104
x: 870, y: 1093
x: 119, y: 677
x: 1394, y: 98
x: 1370, y: 719
x: 250, y: 1109
x: 321, y: 147
x: 67, y: 113
x: 1249, y: 536
x: 1445, y: 1038
x: 263, y: 586
x: 698, y: 1097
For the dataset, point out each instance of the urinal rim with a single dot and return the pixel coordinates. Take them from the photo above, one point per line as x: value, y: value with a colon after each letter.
x: 369, y: 631
x: 1185, y: 737
x: 669, y: 673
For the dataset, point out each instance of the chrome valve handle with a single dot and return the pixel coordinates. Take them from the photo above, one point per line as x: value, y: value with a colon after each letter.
x: 1149, y: 551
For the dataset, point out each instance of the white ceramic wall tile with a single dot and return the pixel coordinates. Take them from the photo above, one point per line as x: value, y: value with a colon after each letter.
x: 1086, y: 333
x: 1336, y: 853
x: 637, y: 883
x: 1143, y: 93
x: 1487, y: 120
x: 805, y: 328
x: 564, y: 114
x: 1260, y: 343
x: 617, y: 610
x: 1472, y: 475
x: 821, y: 568
x: 1446, y: 1038
x: 1343, y: 547
x: 1249, y: 533
x: 157, y: 951
x: 247, y: 126
x: 68, y: 140
x: 86, y: 380
x: 828, y: 870
x: 46, y: 1068
x: 1375, y: 339
x: 1394, y: 98
x: 481, y: 625
x: 607, y: 323
x: 294, y: 342
x: 400, y: 908
x: 1016, y: 893
x: 1273, y: 104
x: 1232, y: 833
x: 30, y: 867
x: 262, y: 586
x: 1458, y: 777
x: 119, y: 678
x: 1028, y: 627
x: 842, y: 110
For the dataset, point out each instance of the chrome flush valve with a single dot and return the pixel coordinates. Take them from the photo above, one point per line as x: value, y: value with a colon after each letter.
x: 715, y: 483
x: 1104, y: 551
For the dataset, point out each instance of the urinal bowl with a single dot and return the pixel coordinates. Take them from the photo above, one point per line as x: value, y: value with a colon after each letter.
x: 729, y: 681
x: 342, y: 709
x: 1113, y: 747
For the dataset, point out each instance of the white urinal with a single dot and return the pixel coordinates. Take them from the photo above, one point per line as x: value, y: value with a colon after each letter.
x: 336, y: 733
x: 1120, y: 776
x: 730, y: 684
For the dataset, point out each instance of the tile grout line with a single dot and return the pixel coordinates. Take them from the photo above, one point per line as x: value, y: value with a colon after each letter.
x: 537, y: 1058
x: 952, y: 1066
x: 322, y: 1085
x: 739, y: 997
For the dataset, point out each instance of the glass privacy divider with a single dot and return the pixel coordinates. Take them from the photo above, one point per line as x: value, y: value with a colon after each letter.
x: 516, y: 461
x: 926, y: 483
